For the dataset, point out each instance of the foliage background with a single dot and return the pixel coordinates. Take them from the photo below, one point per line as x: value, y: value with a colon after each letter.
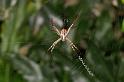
x: 26, y: 34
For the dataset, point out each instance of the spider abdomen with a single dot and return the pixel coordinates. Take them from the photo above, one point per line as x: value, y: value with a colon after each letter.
x: 63, y: 34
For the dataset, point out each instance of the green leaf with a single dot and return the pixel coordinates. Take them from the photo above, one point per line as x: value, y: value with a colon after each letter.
x: 122, y: 1
x: 122, y: 26
x: 28, y: 68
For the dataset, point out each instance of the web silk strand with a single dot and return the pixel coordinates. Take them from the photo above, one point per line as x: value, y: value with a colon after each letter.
x: 86, y: 67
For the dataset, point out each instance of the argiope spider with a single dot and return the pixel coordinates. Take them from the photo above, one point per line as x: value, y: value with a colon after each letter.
x: 63, y: 33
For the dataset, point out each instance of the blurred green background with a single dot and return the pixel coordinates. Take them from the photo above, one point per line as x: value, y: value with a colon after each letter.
x: 26, y: 34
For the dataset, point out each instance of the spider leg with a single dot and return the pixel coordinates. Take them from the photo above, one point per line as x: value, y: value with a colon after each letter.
x: 72, y: 44
x: 56, y: 30
x: 54, y: 27
x: 53, y: 45
x: 73, y: 23
x: 69, y: 29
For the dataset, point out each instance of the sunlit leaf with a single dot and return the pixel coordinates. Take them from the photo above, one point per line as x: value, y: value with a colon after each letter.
x: 122, y: 1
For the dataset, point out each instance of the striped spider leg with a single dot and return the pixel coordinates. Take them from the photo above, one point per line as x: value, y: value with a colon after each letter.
x: 74, y: 48
x: 54, y: 44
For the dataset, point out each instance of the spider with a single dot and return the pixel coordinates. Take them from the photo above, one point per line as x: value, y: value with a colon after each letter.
x: 63, y: 33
